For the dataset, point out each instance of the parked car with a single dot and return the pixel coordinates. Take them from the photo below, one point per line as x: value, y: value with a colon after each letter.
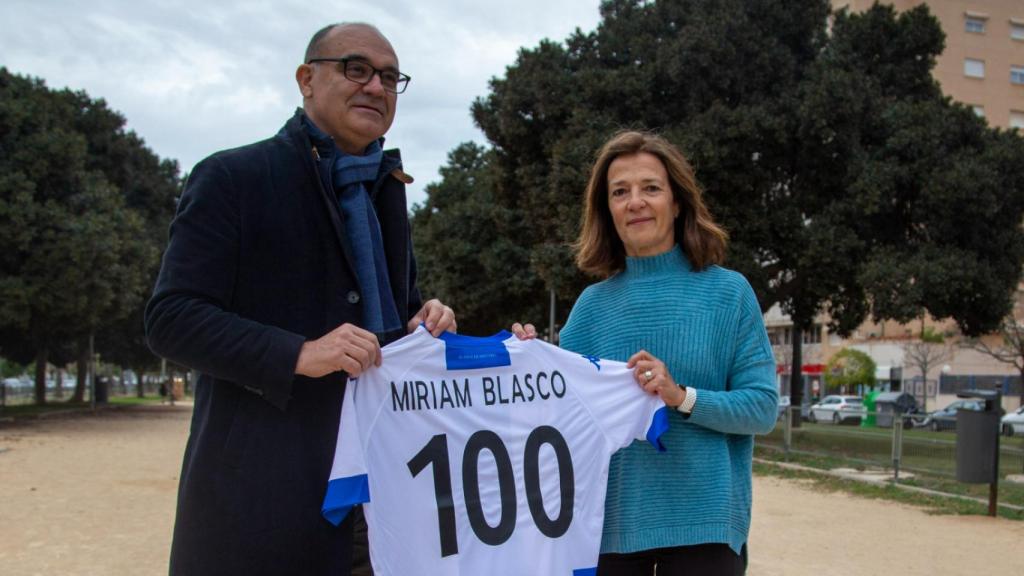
x: 945, y: 419
x: 1013, y: 423
x: 837, y: 409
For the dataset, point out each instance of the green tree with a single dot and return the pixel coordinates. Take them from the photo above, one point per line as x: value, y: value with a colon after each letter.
x: 848, y: 369
x: 469, y: 252
x: 849, y: 184
x: 76, y: 190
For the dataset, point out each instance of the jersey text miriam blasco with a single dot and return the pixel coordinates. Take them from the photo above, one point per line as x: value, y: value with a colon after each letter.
x: 491, y: 390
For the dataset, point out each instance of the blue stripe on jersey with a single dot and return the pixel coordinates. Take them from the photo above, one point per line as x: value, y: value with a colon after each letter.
x: 468, y: 352
x: 342, y: 495
x: 659, y: 424
x: 585, y: 571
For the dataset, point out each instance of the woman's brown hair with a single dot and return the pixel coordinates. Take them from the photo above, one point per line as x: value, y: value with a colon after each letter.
x: 599, y: 250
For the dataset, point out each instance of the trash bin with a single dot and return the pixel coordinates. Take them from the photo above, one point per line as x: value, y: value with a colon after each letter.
x: 102, y: 384
x: 890, y: 406
x: 868, y: 421
x: 977, y: 438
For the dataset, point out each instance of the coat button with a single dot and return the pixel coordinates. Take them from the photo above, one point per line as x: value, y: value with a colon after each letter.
x: 353, y: 297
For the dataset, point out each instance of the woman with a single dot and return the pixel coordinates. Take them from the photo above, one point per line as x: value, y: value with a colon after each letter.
x: 692, y: 331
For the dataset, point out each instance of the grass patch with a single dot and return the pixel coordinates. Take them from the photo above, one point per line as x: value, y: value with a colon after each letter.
x: 30, y: 410
x: 923, y: 451
x: 1008, y: 493
x: 134, y: 400
x: 55, y: 406
x: 931, y: 504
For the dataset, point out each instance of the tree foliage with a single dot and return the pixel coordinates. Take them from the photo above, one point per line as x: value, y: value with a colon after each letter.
x: 849, y: 184
x: 80, y: 199
x: 472, y: 255
x: 848, y: 369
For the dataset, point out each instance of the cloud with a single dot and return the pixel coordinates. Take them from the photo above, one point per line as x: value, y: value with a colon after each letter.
x: 194, y: 77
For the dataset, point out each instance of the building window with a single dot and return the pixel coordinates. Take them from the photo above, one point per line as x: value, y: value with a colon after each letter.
x: 974, y: 68
x: 979, y: 111
x: 1016, y: 119
x: 1016, y: 74
x: 1017, y: 30
x: 974, y: 25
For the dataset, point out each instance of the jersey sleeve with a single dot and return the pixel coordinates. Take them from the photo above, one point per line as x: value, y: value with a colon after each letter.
x: 348, y: 484
x: 622, y: 409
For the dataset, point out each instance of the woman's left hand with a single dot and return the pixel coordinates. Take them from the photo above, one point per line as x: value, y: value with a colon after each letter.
x: 654, y: 376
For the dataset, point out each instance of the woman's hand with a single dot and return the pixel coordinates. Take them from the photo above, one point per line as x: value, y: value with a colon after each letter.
x: 653, y: 375
x: 524, y: 332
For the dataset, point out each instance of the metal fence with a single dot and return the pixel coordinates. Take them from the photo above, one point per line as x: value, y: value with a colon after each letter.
x: 894, y: 449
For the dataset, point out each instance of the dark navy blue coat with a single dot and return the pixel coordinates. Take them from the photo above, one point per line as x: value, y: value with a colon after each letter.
x: 258, y: 262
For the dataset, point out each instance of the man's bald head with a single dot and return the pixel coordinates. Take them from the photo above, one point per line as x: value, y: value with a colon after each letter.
x: 317, y: 42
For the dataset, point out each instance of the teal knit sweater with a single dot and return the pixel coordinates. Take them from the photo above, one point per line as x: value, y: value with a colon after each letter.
x: 707, y: 328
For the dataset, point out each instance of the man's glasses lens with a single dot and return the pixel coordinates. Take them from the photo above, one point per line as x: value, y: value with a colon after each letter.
x: 362, y: 72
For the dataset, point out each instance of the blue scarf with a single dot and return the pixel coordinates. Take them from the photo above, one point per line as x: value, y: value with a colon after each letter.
x: 351, y: 176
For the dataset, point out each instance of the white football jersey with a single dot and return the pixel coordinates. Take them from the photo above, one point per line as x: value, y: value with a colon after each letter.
x: 485, y: 455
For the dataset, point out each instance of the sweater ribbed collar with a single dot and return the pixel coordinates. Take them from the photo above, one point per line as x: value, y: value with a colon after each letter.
x: 673, y: 260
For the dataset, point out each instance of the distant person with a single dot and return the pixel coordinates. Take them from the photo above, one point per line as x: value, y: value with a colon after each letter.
x: 693, y: 334
x: 289, y: 266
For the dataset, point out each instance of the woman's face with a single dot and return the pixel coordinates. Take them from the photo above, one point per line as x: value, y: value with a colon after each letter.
x: 642, y: 205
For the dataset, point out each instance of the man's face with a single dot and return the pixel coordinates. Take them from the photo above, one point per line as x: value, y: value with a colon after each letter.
x: 353, y: 114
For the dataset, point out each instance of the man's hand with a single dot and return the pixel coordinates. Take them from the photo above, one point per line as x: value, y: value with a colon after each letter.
x: 347, y: 347
x: 436, y: 316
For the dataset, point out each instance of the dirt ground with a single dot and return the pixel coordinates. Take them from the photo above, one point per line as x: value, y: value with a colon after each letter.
x: 94, y: 495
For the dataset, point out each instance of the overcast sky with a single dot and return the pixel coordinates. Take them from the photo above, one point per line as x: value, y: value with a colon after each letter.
x: 193, y: 77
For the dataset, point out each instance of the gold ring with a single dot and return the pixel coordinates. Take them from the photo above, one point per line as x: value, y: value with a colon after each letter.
x: 649, y: 375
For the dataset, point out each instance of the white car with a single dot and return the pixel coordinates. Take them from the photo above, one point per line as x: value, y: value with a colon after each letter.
x: 1013, y: 423
x: 837, y: 409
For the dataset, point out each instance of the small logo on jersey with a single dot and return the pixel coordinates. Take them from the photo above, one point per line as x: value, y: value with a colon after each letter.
x: 593, y: 360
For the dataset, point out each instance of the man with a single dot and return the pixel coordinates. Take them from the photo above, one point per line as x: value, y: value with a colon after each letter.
x: 289, y: 265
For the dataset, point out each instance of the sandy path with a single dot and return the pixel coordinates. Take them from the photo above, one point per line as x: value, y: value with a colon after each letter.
x: 95, y: 496
x: 89, y: 495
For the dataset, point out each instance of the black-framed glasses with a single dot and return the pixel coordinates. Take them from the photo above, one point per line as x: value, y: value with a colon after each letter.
x: 361, y: 72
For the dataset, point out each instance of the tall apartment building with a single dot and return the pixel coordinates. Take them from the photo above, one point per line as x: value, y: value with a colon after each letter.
x: 983, y: 64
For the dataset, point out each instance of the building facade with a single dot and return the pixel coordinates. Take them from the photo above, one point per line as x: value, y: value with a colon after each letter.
x: 983, y: 63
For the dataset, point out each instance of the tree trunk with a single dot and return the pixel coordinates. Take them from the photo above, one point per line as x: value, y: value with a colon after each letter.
x: 41, y: 376
x: 83, y: 371
x: 924, y: 383
x: 796, y: 376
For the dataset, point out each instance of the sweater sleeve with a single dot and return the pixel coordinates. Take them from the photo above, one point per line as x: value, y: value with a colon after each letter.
x: 188, y: 319
x: 749, y: 403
